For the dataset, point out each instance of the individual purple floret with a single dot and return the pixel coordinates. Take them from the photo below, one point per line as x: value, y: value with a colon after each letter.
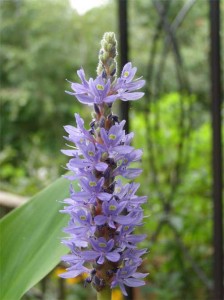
x: 99, y: 91
x: 104, y: 212
x: 128, y: 276
x: 126, y: 85
x: 102, y: 249
x: 95, y: 91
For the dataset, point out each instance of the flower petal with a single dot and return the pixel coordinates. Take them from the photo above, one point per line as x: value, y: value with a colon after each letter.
x: 100, y: 220
x: 101, y: 166
x: 113, y: 256
x: 133, y: 282
x: 131, y: 96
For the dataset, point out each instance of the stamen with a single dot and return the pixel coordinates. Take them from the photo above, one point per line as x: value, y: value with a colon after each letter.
x: 90, y: 153
x: 112, y: 207
x: 112, y: 136
x: 126, y: 74
x: 100, y: 87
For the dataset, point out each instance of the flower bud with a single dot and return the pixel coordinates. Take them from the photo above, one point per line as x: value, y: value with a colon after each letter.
x: 107, y: 56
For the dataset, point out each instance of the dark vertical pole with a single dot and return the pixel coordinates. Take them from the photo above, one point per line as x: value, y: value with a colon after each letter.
x: 123, y: 51
x: 217, y: 146
x: 123, y: 46
x: 61, y: 289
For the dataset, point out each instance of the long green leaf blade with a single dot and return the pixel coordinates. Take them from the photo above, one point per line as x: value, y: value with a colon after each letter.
x: 30, y: 240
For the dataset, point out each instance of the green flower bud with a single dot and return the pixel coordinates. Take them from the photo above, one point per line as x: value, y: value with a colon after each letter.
x: 107, y: 56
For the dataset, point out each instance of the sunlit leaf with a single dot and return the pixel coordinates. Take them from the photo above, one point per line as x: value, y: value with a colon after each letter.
x: 30, y: 240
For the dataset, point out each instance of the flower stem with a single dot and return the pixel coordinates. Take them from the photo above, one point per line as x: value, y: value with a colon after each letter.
x: 105, y: 294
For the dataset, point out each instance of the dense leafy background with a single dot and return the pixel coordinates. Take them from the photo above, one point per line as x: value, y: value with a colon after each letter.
x: 44, y: 42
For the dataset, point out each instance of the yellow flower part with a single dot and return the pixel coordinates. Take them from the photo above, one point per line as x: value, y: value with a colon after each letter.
x: 84, y: 275
x: 58, y: 271
x: 75, y: 280
x: 117, y: 295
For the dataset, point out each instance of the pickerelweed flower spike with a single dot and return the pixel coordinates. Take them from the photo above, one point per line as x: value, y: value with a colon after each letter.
x: 104, y: 212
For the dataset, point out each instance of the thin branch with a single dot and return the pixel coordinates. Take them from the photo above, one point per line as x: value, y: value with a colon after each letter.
x: 150, y: 146
x: 166, y: 26
x: 182, y: 14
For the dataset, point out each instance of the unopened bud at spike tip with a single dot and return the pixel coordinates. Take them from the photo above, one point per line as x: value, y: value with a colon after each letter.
x: 107, y: 56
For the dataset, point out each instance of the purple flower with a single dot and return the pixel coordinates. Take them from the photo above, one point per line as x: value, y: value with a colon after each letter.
x: 124, y: 160
x: 81, y: 224
x: 133, y: 256
x: 101, y: 250
x: 128, y: 276
x: 127, y: 239
x: 110, y: 212
x: 113, y: 140
x: 95, y: 91
x: 77, y: 135
x: 104, y: 211
x: 90, y: 161
x: 100, y: 90
x: 75, y: 271
x: 91, y: 190
x: 125, y: 84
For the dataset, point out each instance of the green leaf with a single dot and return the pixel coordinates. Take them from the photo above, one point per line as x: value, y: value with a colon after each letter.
x: 30, y: 240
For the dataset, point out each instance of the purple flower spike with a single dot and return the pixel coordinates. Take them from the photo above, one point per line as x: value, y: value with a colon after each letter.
x: 104, y: 212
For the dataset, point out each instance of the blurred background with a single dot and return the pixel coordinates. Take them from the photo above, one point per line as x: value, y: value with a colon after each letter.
x: 45, y: 42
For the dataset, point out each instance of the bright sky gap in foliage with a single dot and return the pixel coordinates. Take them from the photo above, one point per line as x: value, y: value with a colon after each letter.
x: 82, y: 6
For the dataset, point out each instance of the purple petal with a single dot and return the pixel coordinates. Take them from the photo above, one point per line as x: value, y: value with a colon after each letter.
x: 101, y: 166
x: 133, y: 282
x: 123, y: 149
x: 104, y: 196
x: 78, y: 163
x: 139, y: 275
x: 85, y: 99
x: 111, y: 224
x: 71, y: 274
x: 100, y: 220
x: 124, y: 220
x: 131, y: 96
x: 135, y: 85
x: 100, y: 260
x: 110, y: 99
x: 81, y: 75
x: 70, y: 93
x: 113, y: 256
x: 71, y: 129
x: 70, y: 257
x: 78, y: 88
x: 89, y: 255
x: 131, y: 173
x: 69, y: 152
x: 136, y: 238
x: 123, y: 289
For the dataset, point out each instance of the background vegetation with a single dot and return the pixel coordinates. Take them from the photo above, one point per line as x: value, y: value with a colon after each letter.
x: 45, y: 42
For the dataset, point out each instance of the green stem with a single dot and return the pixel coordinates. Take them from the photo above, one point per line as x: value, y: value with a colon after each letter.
x: 105, y: 294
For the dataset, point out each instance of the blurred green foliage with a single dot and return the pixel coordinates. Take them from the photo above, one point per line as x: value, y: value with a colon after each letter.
x: 44, y: 42
x: 179, y: 210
